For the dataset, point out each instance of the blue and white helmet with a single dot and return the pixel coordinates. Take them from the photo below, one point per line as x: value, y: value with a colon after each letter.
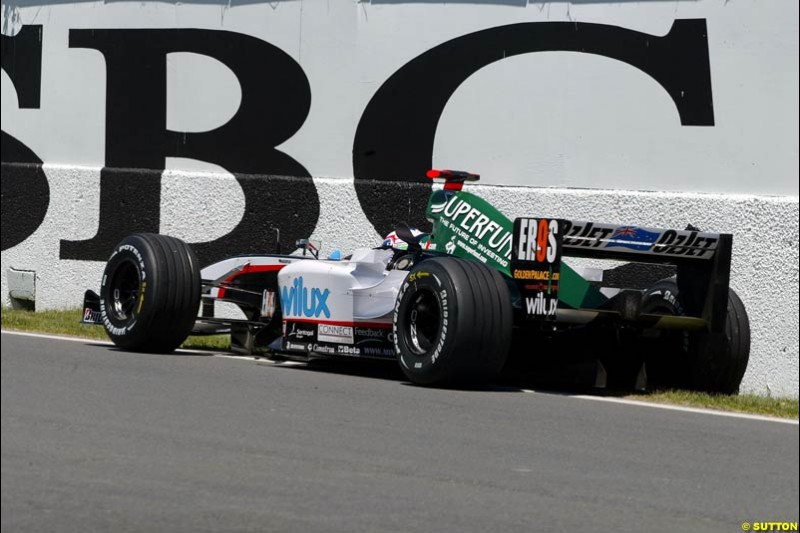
x: 396, y: 243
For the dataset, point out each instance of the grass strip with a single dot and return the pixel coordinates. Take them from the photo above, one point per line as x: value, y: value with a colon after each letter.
x: 741, y: 403
x: 67, y: 322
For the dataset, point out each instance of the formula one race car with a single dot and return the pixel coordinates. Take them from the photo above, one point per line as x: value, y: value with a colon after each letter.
x: 447, y: 305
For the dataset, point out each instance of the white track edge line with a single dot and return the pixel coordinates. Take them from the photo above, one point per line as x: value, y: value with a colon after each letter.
x: 55, y: 337
x: 686, y: 409
x: 260, y: 360
x: 86, y: 340
x: 109, y: 343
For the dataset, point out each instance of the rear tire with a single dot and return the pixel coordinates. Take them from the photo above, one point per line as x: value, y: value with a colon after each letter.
x: 150, y: 293
x: 452, y: 323
x: 700, y: 361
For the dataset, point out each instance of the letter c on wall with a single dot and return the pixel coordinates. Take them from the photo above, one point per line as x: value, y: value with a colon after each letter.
x: 395, y: 136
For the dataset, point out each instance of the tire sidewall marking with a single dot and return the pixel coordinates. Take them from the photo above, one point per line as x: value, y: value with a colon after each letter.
x: 430, y: 281
x: 123, y: 252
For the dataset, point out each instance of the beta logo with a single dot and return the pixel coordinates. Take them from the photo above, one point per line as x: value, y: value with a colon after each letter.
x: 298, y: 300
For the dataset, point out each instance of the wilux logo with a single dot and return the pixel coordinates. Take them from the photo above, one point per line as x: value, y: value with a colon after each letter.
x: 302, y: 301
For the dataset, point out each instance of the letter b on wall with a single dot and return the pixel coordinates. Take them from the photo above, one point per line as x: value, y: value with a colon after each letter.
x: 275, y: 102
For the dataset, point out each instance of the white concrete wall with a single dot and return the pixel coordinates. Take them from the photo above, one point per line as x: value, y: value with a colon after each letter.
x: 764, y: 271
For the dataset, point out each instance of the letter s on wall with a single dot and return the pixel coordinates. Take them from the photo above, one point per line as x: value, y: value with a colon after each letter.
x: 25, y: 191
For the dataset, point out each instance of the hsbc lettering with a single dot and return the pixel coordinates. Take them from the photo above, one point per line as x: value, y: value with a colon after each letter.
x: 393, y: 140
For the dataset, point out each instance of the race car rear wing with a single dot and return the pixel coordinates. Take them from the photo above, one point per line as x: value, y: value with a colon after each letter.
x: 589, y: 239
x: 702, y: 260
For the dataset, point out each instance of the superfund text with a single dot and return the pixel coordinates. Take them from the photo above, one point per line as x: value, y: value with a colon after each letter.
x: 477, y: 224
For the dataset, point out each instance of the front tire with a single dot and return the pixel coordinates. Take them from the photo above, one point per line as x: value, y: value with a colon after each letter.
x: 452, y: 323
x: 150, y: 293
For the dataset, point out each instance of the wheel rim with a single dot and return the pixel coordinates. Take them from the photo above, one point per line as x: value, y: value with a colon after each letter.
x: 423, y: 321
x: 124, y: 292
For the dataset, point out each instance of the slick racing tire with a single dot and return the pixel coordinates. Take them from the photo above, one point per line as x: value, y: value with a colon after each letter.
x: 452, y: 323
x: 150, y: 293
x: 699, y: 361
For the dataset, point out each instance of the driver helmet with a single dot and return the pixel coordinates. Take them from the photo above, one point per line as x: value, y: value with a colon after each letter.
x: 396, y: 243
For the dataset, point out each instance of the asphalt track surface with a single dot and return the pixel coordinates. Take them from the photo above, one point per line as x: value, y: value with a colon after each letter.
x: 96, y: 439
